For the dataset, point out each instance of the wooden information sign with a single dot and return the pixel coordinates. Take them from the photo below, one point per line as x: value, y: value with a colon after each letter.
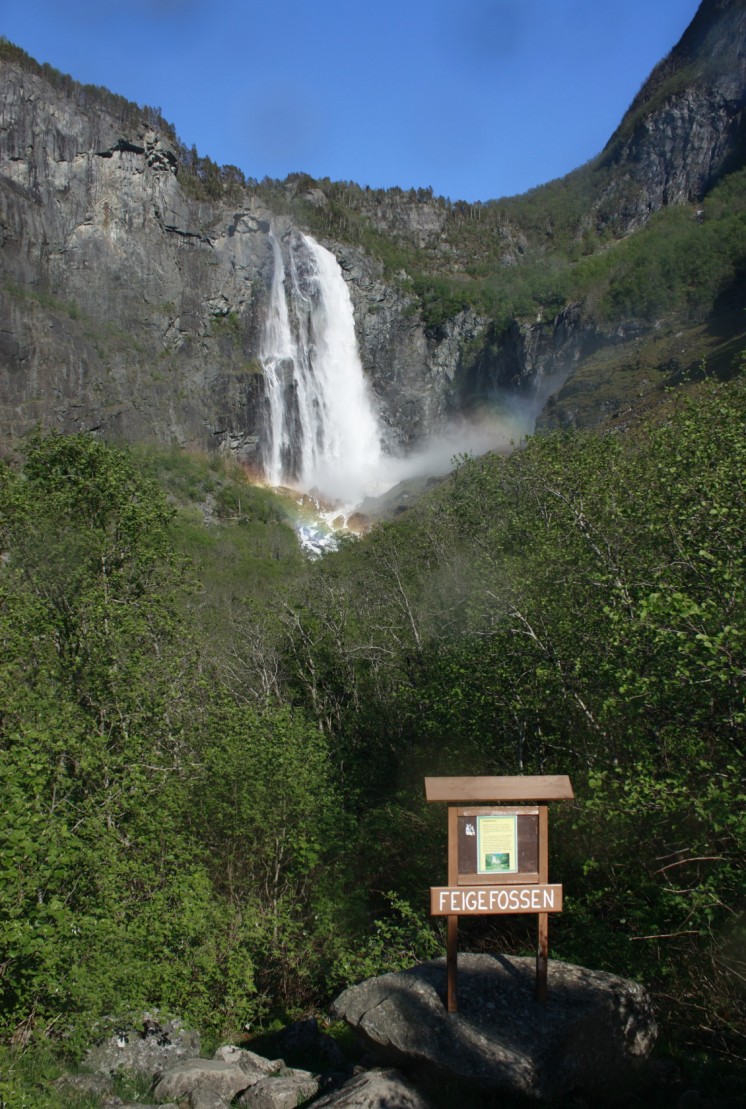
x: 498, y: 857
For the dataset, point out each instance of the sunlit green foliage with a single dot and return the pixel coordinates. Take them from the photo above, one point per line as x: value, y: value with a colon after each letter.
x: 114, y: 894
x: 91, y: 729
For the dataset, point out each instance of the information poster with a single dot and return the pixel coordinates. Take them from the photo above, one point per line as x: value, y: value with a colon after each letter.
x: 497, y: 845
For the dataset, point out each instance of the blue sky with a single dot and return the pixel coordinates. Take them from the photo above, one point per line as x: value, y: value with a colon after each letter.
x: 477, y: 98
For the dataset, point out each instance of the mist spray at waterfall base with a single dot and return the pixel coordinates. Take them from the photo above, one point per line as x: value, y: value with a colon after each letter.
x: 322, y: 432
x: 321, y: 521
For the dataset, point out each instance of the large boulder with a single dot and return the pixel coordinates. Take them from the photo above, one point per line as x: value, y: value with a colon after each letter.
x: 223, y: 1079
x: 594, y: 1034
x: 286, y: 1090
x: 144, y: 1050
x: 374, y: 1089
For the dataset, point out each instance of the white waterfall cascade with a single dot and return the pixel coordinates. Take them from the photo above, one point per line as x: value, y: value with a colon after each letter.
x: 322, y: 432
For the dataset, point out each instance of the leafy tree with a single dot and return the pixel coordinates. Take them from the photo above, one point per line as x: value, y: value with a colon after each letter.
x: 274, y: 832
x: 101, y: 886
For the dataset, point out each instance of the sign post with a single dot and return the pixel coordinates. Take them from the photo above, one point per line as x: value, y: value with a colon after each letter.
x: 498, y: 858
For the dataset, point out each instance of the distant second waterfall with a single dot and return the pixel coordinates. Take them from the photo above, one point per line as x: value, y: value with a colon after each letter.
x: 321, y: 431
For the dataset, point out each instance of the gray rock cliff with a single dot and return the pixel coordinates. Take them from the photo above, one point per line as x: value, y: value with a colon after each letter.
x: 685, y: 128
x: 131, y: 309
x: 593, y: 1035
x: 125, y: 306
x: 131, y: 304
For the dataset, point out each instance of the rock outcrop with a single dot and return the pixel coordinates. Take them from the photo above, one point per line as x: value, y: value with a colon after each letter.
x: 167, y: 1056
x: 687, y: 125
x: 593, y: 1035
x: 592, y: 1039
x: 119, y: 294
x: 131, y: 304
x: 145, y: 1050
x: 130, y: 308
x: 375, y: 1089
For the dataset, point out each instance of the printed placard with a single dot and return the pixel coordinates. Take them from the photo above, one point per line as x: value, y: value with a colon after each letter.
x: 497, y: 844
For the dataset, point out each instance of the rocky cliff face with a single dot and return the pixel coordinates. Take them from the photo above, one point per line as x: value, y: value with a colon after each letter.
x: 686, y: 127
x: 130, y: 307
x: 125, y: 307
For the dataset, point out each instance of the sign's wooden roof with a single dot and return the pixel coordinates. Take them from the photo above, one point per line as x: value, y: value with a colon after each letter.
x: 526, y: 787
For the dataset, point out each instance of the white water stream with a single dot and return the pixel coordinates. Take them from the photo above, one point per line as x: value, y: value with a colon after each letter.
x: 322, y: 432
x: 322, y: 435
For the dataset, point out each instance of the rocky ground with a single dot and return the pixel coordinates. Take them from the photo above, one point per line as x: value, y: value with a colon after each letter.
x: 589, y: 1046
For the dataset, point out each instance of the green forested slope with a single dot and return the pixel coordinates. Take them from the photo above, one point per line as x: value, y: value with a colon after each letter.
x: 158, y: 835
x: 577, y: 608
x: 677, y: 264
x: 203, y: 811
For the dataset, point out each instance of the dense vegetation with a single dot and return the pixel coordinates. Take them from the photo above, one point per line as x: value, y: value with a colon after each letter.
x: 192, y: 771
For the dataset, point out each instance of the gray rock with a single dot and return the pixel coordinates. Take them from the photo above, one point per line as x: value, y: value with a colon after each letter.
x: 283, y: 1091
x: 224, y: 1080
x: 304, y: 1038
x: 594, y: 1034
x: 144, y: 1051
x: 117, y: 1103
x: 674, y: 142
x: 249, y: 1062
x: 205, y: 1098
x: 84, y: 1085
x: 375, y: 1089
x: 299, y: 1037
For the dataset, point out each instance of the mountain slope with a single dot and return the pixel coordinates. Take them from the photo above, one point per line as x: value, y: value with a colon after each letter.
x: 136, y: 275
x: 685, y: 128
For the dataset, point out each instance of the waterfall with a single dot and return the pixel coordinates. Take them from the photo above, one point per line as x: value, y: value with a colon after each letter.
x: 321, y: 431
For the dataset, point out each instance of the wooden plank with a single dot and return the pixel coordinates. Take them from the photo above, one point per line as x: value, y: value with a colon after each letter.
x: 542, y: 948
x: 454, y: 901
x: 452, y: 964
x: 498, y: 810
x: 452, y: 933
x: 537, y: 787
